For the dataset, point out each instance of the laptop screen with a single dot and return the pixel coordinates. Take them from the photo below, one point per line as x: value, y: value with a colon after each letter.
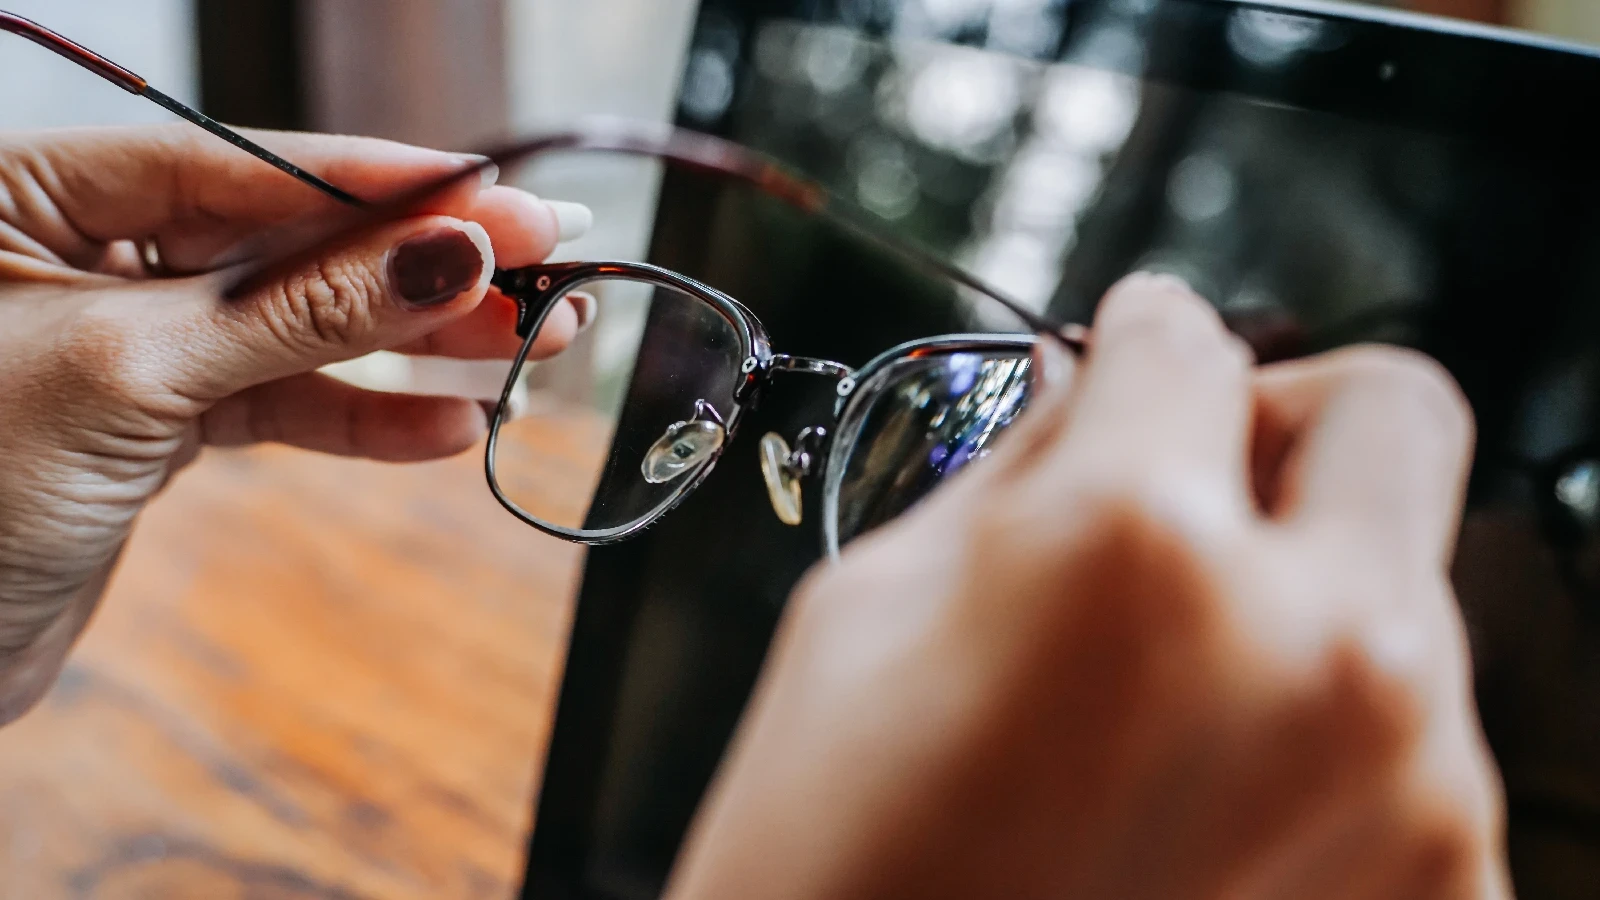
x: 1324, y: 179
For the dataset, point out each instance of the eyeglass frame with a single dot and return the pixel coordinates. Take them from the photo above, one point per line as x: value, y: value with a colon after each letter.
x: 539, y: 288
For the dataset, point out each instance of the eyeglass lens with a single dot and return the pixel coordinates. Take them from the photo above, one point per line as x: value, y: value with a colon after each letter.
x: 656, y: 414
x: 928, y: 417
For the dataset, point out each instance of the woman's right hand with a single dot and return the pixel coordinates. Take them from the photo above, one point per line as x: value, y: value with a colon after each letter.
x: 1187, y: 633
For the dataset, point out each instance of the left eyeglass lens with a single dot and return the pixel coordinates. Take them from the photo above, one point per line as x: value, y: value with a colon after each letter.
x: 635, y: 427
x: 930, y: 417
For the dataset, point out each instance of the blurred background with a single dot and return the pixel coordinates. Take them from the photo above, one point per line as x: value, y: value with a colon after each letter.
x: 362, y: 746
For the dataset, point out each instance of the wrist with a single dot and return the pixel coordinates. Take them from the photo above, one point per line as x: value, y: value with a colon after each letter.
x: 29, y: 671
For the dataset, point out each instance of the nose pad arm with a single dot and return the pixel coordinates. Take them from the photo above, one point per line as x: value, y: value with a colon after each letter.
x: 783, y: 469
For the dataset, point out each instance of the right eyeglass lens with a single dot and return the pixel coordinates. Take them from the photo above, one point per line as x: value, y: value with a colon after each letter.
x: 929, y: 418
x: 640, y: 411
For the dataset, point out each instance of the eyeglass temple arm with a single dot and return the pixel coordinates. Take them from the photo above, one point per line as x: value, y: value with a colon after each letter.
x: 1073, y: 336
x: 133, y: 84
x: 686, y: 149
x: 716, y: 157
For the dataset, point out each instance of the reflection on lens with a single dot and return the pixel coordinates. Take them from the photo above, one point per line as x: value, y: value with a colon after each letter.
x: 602, y: 449
x: 931, y: 418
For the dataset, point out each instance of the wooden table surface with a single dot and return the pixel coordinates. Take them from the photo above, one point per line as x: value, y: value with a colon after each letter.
x: 312, y: 678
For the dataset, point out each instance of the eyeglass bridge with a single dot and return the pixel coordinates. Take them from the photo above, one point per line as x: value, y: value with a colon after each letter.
x: 758, y: 372
x: 806, y: 365
x: 784, y: 468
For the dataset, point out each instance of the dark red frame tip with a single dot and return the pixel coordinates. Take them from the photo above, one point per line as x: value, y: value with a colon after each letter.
x: 74, y: 51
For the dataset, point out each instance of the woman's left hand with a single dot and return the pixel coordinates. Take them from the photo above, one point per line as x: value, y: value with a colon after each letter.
x: 115, y: 374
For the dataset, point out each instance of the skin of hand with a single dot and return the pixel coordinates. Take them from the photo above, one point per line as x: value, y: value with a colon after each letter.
x: 115, y: 377
x: 1188, y: 632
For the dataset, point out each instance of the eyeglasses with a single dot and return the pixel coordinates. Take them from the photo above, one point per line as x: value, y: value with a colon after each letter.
x: 900, y: 426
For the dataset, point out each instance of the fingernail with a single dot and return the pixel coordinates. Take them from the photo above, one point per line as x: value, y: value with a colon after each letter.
x: 490, y: 407
x: 437, y: 266
x: 1161, y: 281
x: 490, y: 173
x: 513, y: 410
x: 1143, y: 297
x: 587, y: 308
x: 516, y: 405
x: 573, y: 220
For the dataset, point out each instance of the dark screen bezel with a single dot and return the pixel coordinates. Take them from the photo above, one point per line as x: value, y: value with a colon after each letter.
x: 1489, y: 85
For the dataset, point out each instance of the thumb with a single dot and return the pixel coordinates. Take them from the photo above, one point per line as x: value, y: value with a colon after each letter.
x: 389, y: 287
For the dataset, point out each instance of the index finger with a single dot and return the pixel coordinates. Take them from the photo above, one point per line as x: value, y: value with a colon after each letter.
x: 189, y: 188
x: 1164, y: 391
x: 125, y: 182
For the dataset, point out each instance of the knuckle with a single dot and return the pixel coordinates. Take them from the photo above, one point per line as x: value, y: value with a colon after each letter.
x: 1152, y: 564
x: 105, y: 359
x: 1444, y: 844
x: 1109, y: 591
x: 100, y: 355
x: 1413, y: 380
x: 1165, y: 500
x: 331, y: 304
x: 1373, y: 719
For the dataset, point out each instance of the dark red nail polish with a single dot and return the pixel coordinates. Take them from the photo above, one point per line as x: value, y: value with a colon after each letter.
x: 435, y: 267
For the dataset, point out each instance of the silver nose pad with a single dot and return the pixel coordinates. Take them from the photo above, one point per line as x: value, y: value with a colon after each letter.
x: 783, y: 469
x: 686, y: 445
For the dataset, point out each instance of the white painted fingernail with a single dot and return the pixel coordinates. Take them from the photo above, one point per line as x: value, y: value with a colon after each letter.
x: 517, y: 404
x: 573, y: 220
x: 489, y: 174
x: 587, y: 308
x: 514, y: 408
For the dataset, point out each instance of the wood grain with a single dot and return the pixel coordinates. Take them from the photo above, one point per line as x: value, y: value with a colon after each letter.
x: 312, y: 678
